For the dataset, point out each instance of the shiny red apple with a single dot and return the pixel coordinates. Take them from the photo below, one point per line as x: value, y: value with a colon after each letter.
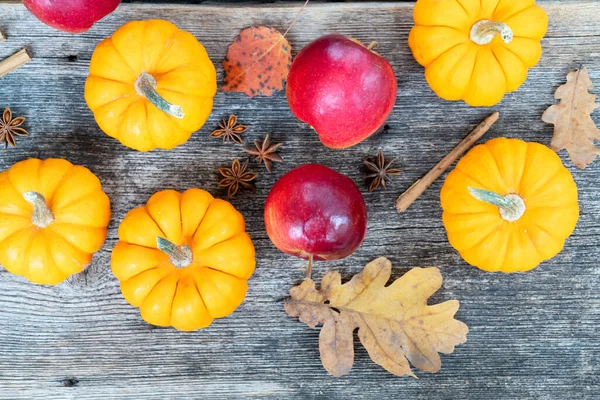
x: 73, y: 16
x: 316, y: 213
x: 342, y: 88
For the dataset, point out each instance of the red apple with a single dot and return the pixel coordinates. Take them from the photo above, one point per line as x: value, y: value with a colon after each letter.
x: 73, y: 16
x: 316, y: 213
x: 343, y: 89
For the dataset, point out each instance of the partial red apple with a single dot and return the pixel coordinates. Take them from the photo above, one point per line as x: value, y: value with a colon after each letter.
x: 342, y: 88
x: 316, y: 213
x: 74, y: 16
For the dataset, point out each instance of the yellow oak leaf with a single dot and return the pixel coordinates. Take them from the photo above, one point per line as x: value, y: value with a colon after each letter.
x: 394, y: 323
x: 574, y: 128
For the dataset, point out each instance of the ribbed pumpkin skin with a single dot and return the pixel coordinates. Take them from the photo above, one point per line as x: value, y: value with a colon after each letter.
x: 184, y: 73
x: 187, y: 298
x: 477, y: 230
x: 456, y: 67
x: 81, y: 214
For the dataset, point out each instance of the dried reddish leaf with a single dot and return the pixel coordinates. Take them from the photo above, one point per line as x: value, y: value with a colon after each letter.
x: 394, y: 322
x: 257, y: 62
x: 574, y: 128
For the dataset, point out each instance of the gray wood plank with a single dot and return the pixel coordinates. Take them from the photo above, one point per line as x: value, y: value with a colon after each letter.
x: 532, y: 335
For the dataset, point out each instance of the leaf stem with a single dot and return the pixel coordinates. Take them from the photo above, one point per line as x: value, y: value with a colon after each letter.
x: 282, y: 36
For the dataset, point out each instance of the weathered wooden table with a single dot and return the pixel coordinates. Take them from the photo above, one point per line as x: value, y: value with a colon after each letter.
x: 533, y: 335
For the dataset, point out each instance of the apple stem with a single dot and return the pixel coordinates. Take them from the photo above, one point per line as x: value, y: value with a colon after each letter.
x: 309, y: 269
x: 372, y: 45
x: 145, y: 86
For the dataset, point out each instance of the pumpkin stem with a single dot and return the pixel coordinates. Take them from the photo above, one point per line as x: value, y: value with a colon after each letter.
x: 42, y: 215
x: 145, y: 86
x: 483, y: 32
x: 309, y: 269
x: 512, y: 207
x: 180, y: 256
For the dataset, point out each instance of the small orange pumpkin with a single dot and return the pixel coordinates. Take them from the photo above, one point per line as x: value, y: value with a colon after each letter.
x: 184, y: 259
x: 509, y: 205
x: 53, y: 218
x: 477, y: 50
x: 151, y: 85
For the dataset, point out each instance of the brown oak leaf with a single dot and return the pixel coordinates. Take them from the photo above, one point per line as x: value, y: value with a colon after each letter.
x: 574, y: 128
x: 257, y: 62
x: 394, y: 323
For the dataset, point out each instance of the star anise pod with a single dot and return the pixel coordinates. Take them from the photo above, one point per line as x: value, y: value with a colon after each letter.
x: 381, y: 171
x: 10, y: 128
x: 230, y: 130
x: 235, y: 177
x: 265, y: 152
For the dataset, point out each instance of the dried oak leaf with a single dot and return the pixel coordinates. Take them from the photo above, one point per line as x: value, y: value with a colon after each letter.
x: 257, y: 62
x: 394, y: 323
x: 574, y: 128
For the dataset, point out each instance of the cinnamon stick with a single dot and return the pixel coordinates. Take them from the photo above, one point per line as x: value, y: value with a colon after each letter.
x: 13, y: 62
x: 412, y: 193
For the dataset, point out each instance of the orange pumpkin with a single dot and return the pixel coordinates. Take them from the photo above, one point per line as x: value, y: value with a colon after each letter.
x: 509, y: 205
x: 53, y: 218
x: 151, y: 85
x: 477, y: 50
x: 184, y: 259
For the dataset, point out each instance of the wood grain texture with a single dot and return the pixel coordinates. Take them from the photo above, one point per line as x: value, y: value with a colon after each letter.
x: 532, y: 335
